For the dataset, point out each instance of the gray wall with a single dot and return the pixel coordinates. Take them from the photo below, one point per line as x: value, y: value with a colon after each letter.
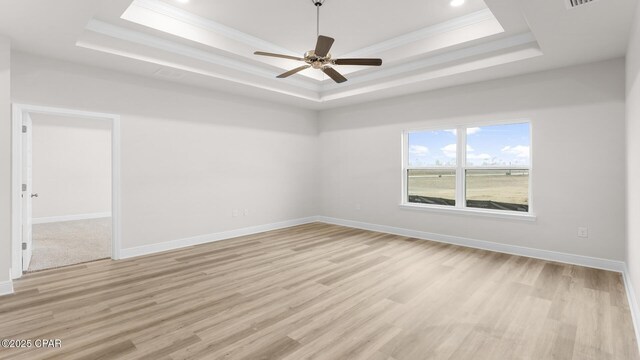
x: 71, y: 166
x: 633, y: 155
x: 189, y: 156
x: 5, y: 159
x: 577, y: 117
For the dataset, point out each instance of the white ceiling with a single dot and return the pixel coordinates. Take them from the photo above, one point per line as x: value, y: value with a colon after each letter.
x: 355, y: 23
x: 424, y: 44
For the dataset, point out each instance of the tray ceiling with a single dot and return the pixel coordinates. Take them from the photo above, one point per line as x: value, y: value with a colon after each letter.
x: 424, y: 44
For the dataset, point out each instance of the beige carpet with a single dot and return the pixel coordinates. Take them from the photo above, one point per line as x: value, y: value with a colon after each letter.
x: 70, y: 242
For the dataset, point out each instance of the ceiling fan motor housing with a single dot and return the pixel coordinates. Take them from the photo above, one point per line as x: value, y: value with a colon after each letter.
x: 317, y: 62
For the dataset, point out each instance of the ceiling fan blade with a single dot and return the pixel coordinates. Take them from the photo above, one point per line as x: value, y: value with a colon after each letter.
x: 365, y: 62
x: 336, y: 76
x: 262, y: 53
x: 291, y: 72
x: 323, y: 45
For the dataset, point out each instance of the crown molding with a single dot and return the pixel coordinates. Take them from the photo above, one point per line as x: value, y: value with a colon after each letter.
x: 425, y: 33
x: 132, y: 36
x: 523, y: 45
x: 209, y: 25
x: 447, y: 57
x: 484, y: 62
x: 190, y: 69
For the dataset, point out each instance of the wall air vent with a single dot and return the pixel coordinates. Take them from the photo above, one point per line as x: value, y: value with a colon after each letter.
x: 572, y: 4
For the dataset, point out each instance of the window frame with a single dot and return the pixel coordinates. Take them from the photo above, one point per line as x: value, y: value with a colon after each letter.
x: 461, y: 170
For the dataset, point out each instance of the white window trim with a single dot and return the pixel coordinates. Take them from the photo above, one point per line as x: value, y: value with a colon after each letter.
x: 460, y: 169
x: 498, y: 214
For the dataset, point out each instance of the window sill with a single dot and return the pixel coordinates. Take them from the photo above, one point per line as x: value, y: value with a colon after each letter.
x: 470, y: 212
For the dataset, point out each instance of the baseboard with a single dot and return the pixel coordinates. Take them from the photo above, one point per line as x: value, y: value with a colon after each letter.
x: 611, y: 265
x: 592, y: 262
x: 203, y: 239
x: 52, y: 219
x: 6, y: 287
x: 633, y: 302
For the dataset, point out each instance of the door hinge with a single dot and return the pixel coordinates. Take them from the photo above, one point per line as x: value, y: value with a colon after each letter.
x: 24, y: 246
x: 24, y: 129
x: 24, y: 187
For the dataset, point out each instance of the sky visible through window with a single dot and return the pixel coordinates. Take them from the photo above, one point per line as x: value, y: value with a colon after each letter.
x: 496, y: 145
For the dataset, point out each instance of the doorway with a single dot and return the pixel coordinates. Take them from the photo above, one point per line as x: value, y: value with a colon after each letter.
x: 66, y: 197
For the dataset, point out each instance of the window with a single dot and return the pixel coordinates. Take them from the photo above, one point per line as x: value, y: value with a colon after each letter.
x: 487, y: 168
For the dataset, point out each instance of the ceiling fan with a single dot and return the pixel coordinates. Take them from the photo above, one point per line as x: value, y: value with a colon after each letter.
x: 320, y: 58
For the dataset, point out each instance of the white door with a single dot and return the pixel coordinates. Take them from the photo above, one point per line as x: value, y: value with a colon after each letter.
x: 27, y: 193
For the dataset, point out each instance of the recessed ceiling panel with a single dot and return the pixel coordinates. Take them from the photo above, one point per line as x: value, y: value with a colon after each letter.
x: 434, y: 33
x: 354, y: 24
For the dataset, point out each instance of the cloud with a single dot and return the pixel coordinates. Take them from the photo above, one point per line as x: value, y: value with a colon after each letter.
x: 473, y: 130
x: 418, y: 150
x: 519, y: 151
x: 470, y: 131
x: 451, y: 150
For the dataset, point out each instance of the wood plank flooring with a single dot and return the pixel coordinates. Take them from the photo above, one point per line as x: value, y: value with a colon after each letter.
x: 319, y: 291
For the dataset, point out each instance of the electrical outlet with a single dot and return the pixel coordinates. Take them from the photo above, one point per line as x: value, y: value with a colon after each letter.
x: 235, y: 213
x: 246, y: 212
x: 583, y: 232
x: 358, y: 207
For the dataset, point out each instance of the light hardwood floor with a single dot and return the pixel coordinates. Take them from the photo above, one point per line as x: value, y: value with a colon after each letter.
x: 319, y: 291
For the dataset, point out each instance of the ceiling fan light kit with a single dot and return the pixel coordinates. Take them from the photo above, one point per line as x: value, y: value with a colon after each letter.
x: 320, y: 58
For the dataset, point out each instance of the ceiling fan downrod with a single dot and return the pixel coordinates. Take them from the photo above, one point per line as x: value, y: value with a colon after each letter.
x: 318, y: 3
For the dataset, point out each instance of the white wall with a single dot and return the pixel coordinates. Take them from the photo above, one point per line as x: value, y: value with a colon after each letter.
x: 5, y: 160
x: 71, y: 166
x: 189, y: 156
x: 633, y: 155
x: 578, y: 125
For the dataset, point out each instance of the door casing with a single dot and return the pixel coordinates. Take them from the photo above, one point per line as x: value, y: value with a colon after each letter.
x: 19, y: 113
x: 27, y: 200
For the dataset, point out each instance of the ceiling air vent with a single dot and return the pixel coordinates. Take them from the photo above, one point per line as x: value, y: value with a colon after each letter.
x: 572, y: 4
